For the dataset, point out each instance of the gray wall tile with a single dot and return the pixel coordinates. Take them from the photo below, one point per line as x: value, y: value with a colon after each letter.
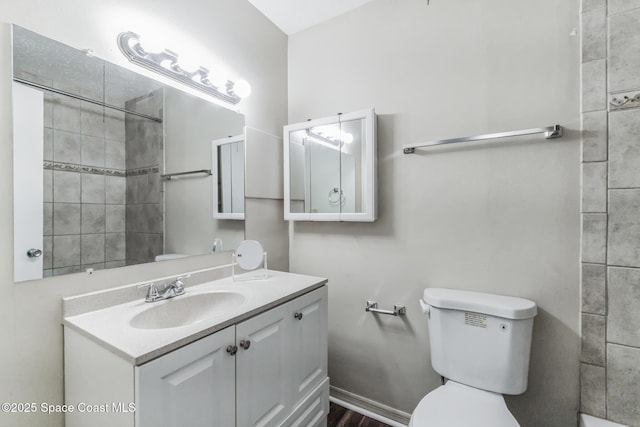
x: 623, y: 306
x: 593, y: 390
x: 593, y: 339
x: 624, y: 150
x: 588, y: 5
x: 48, y: 144
x: 624, y: 228
x: 114, y: 125
x: 115, y: 218
x: 66, y: 251
x: 115, y: 155
x: 92, y: 119
x: 93, y: 218
x: 47, y: 252
x: 93, y: 153
x: 48, y: 219
x: 624, y: 51
x: 115, y: 247
x: 594, y: 35
x: 618, y: 6
x: 92, y: 248
x: 594, y: 288
x: 66, y: 218
x: 594, y: 240
x: 594, y: 187
x: 116, y: 190
x: 594, y: 136
x: 623, y: 378
x: 66, y: 270
x: 594, y: 90
x: 114, y: 264
x: 66, y: 113
x: 47, y: 195
x: 48, y: 110
x: 93, y: 188
x: 66, y: 147
x: 66, y: 187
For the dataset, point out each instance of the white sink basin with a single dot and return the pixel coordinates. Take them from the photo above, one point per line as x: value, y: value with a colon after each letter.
x: 186, y: 310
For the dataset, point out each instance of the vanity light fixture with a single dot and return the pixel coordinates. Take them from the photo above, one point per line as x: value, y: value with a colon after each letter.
x: 182, y: 69
x: 330, y: 135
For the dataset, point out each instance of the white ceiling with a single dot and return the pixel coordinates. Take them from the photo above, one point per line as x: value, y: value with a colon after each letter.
x: 292, y: 16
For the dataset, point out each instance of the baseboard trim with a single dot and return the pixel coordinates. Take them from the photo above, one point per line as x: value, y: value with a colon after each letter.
x: 369, y: 408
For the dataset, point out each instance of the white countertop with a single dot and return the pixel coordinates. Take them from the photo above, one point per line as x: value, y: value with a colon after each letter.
x: 110, y: 327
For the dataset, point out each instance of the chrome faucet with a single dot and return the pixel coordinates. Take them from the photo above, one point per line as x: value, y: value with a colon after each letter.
x: 169, y: 290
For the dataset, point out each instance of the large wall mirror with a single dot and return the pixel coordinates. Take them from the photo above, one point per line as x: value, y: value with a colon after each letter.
x: 92, y: 142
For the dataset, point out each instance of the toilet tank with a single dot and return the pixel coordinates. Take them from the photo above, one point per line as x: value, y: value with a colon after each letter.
x: 481, y: 340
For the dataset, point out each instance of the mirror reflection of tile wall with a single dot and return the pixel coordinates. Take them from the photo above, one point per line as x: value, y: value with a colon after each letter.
x: 103, y: 198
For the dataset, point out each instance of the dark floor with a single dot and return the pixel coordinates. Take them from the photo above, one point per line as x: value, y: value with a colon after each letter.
x: 342, y: 417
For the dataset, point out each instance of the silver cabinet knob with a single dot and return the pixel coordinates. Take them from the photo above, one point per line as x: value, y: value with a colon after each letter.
x: 298, y: 315
x: 232, y: 349
x: 245, y: 344
x: 34, y: 253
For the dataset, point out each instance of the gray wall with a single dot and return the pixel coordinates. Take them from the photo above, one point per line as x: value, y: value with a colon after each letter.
x: 610, y: 201
x: 188, y: 147
x: 501, y: 216
x: 31, y: 336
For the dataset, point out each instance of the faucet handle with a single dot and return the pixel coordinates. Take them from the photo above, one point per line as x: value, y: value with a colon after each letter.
x: 178, y: 283
x: 152, y: 294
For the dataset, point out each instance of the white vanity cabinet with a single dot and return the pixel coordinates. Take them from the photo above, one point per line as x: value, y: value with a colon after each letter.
x: 268, y: 370
x: 191, y: 386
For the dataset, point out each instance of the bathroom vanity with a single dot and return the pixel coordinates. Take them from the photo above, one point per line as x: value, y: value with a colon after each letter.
x: 224, y: 354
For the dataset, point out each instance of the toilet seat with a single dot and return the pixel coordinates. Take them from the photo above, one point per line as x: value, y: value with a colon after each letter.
x: 458, y: 405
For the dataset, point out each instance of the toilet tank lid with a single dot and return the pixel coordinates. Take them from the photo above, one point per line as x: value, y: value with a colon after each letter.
x: 479, y: 302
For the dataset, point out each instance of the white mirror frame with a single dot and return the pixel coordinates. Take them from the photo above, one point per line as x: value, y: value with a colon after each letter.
x: 369, y: 170
x: 214, y: 171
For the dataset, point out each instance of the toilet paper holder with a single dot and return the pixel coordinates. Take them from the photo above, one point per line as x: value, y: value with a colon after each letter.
x: 398, y: 309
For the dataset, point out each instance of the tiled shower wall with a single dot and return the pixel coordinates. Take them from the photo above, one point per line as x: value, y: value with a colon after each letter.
x: 610, y: 359
x: 84, y: 181
x: 144, y: 155
x: 102, y: 194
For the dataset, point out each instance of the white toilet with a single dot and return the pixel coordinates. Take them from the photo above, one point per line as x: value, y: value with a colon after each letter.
x: 481, y: 344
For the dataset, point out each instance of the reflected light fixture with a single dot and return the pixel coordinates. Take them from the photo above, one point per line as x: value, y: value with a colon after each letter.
x: 334, y: 143
x: 331, y: 135
x: 185, y: 70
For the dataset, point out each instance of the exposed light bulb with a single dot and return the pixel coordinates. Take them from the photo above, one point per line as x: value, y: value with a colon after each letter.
x: 219, y: 80
x: 188, y: 63
x: 347, y: 138
x: 242, y: 88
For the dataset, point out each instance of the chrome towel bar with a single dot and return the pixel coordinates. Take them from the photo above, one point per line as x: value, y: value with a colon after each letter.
x: 398, y: 309
x: 549, y: 132
x: 169, y: 176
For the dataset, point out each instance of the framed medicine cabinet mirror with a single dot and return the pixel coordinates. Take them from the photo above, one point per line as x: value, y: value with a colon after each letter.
x: 228, y: 173
x: 330, y: 168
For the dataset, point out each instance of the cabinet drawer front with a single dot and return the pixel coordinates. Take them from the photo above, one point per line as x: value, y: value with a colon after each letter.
x: 308, y: 341
x: 193, y: 386
x: 313, y: 410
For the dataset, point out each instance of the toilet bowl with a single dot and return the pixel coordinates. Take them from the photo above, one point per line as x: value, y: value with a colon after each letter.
x: 458, y: 405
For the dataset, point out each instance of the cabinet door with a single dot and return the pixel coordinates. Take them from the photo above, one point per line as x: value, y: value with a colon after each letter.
x: 193, y: 386
x: 261, y: 368
x: 308, y: 343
